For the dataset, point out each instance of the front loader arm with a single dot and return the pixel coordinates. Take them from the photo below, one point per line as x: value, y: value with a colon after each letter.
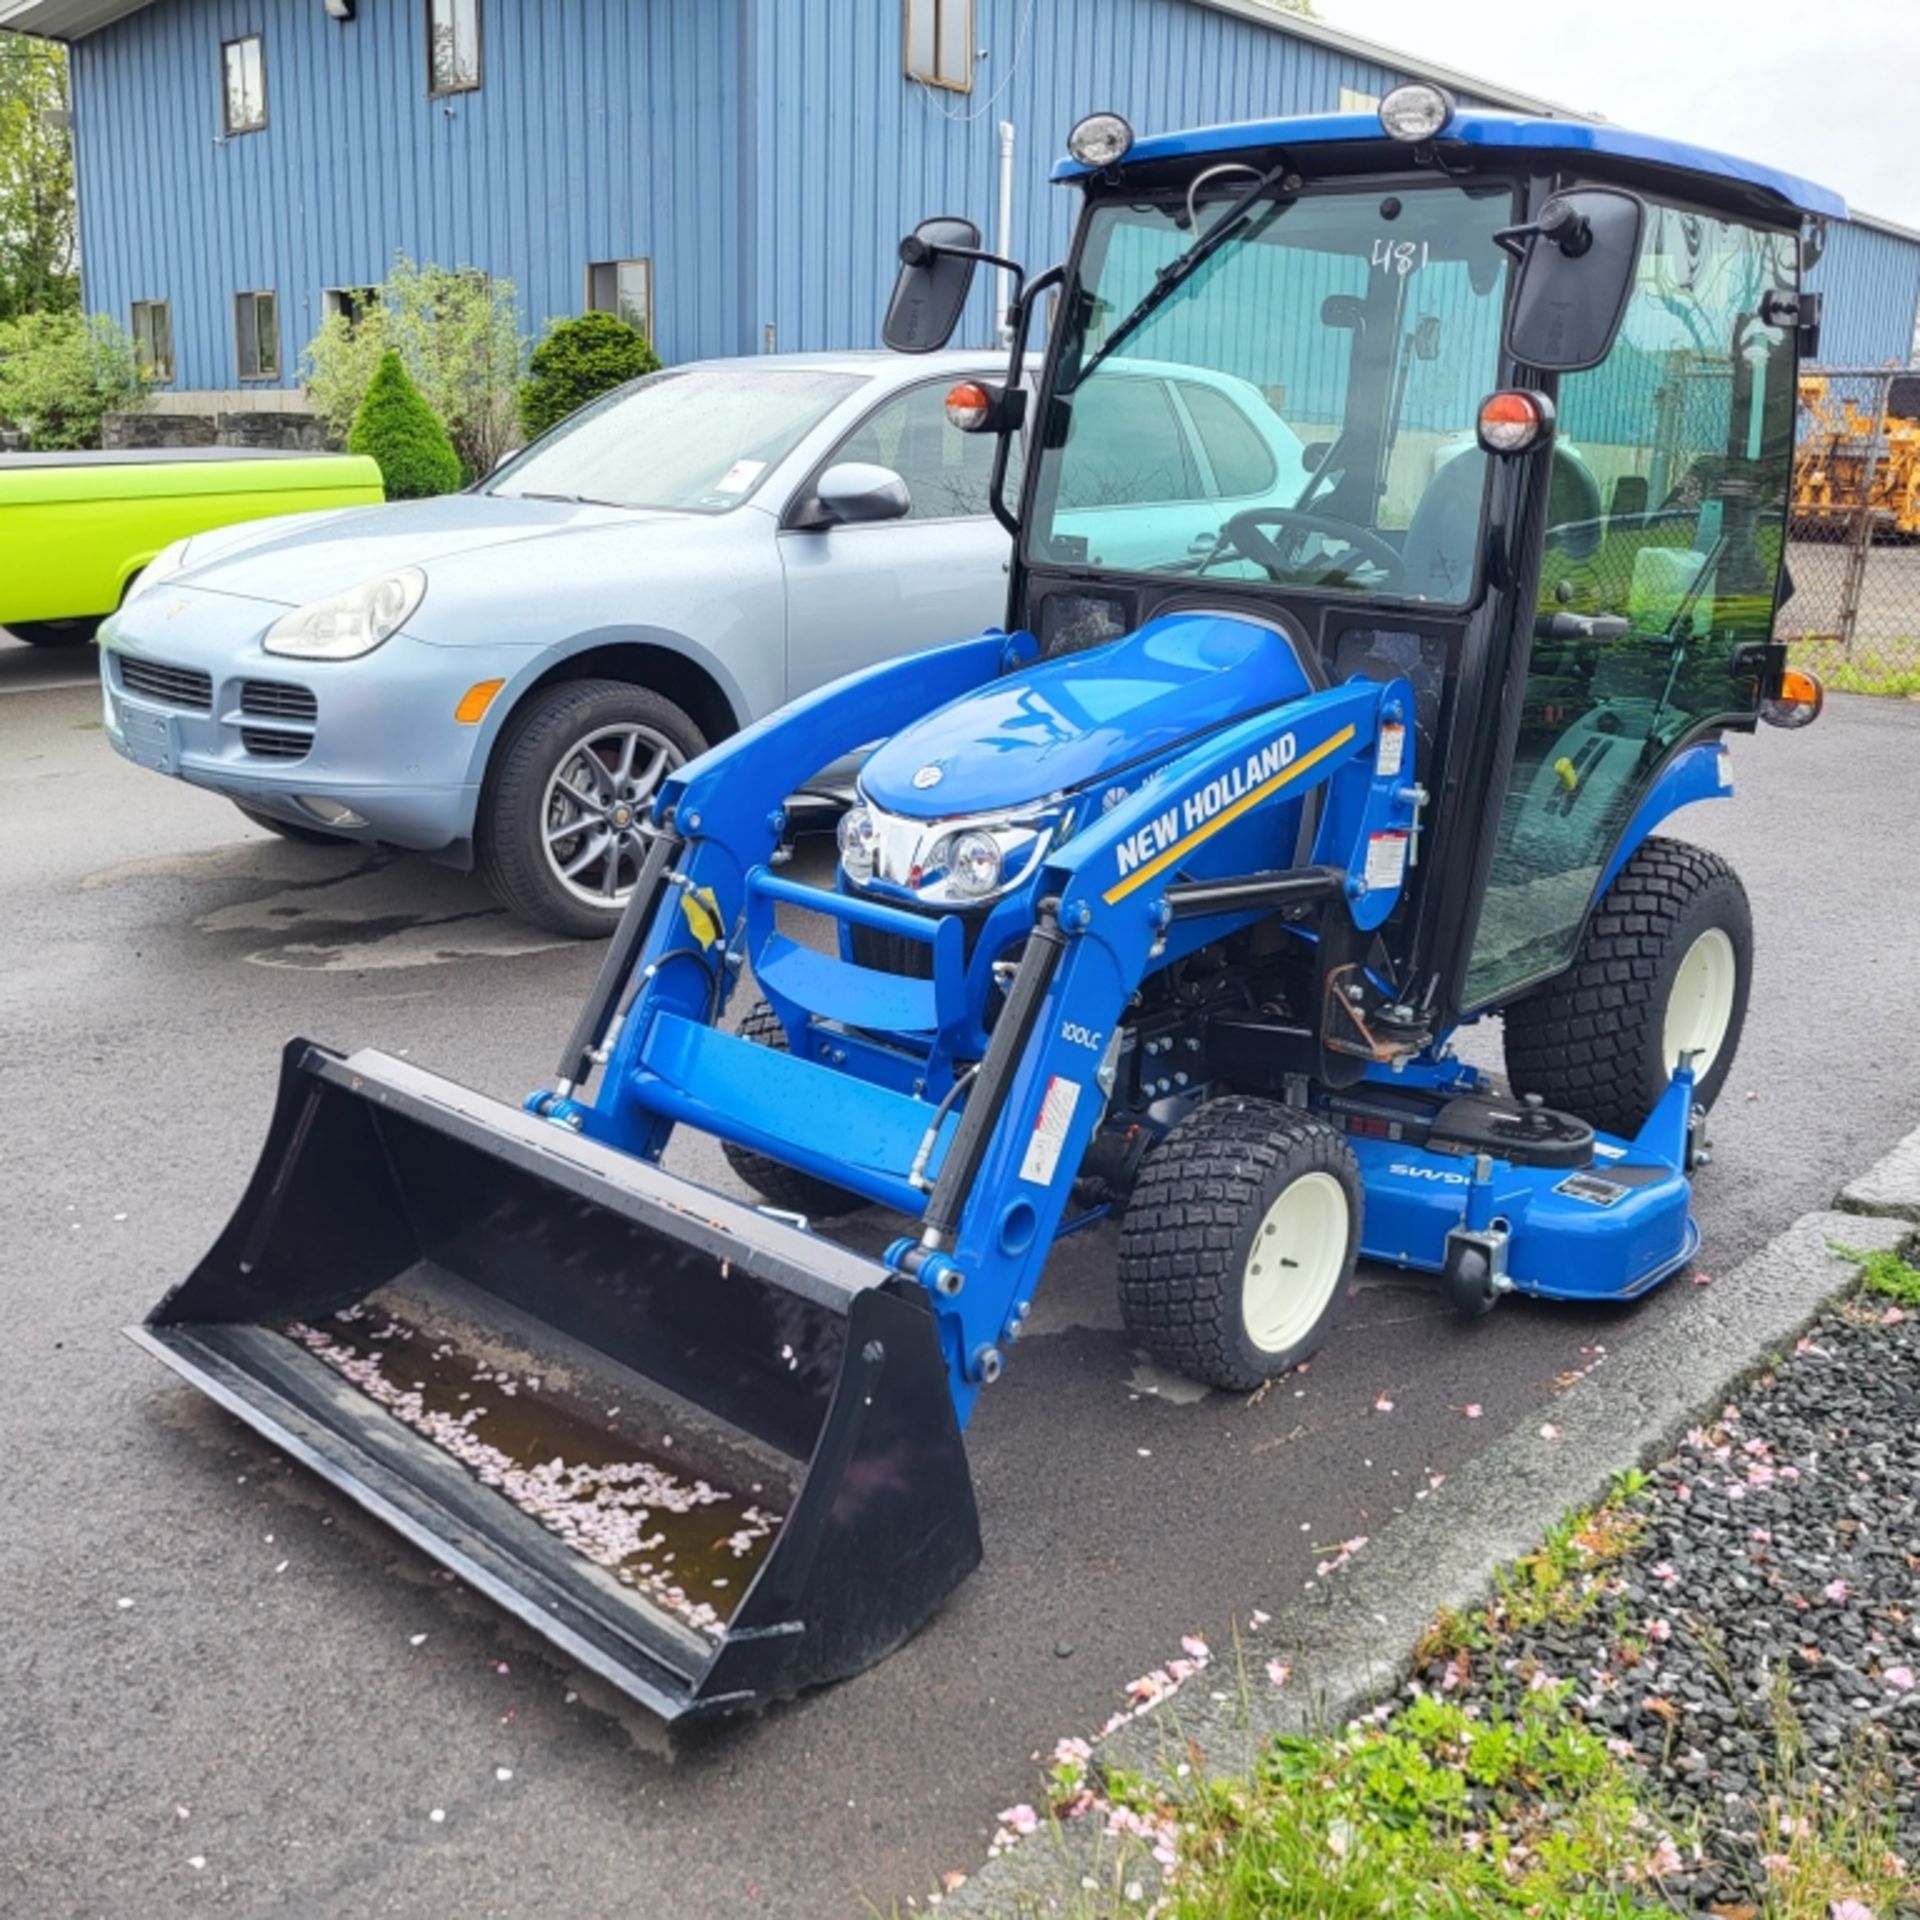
x: 1106, y: 901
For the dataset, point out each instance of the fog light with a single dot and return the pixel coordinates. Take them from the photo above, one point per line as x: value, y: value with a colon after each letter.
x: 330, y: 813
x: 1100, y: 140
x: 974, y: 865
x: 1416, y: 111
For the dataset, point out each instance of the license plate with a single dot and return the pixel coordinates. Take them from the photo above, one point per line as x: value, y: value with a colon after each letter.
x: 148, y: 737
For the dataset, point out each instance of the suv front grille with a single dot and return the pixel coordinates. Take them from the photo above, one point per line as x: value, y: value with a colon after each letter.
x: 276, y: 700
x: 174, y: 686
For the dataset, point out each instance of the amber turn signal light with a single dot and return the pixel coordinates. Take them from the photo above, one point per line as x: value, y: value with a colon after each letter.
x: 475, y: 702
x: 1514, y: 419
x: 969, y: 407
x: 1798, y: 700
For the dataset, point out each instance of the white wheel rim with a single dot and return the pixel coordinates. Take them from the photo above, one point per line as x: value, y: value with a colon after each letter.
x: 1700, y: 1007
x: 1299, y: 1252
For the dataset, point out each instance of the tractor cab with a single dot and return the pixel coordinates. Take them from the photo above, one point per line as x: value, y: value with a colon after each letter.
x: 1502, y: 406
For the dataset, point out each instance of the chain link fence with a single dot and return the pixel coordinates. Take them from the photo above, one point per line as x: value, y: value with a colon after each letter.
x: 1853, y: 544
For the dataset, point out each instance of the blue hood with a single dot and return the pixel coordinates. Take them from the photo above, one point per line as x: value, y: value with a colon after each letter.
x: 1070, y: 722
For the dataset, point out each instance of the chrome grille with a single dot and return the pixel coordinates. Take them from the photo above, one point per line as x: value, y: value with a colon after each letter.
x: 175, y: 686
x: 276, y: 700
x: 265, y: 744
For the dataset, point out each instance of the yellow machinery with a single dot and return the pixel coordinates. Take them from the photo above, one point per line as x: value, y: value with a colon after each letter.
x: 1859, y: 454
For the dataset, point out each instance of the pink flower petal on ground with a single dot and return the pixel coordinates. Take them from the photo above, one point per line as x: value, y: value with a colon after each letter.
x: 1549, y: 1432
x: 1472, y: 1410
x: 1850, y: 1910
x: 952, y: 1880
x: 1383, y: 1405
x: 1900, y: 1679
x: 1659, y: 1630
x: 1256, y: 1619
x: 1665, y: 1860
x: 1703, y: 1279
x: 1021, y: 1819
x: 1837, y: 1590
x: 1665, y: 1574
x: 1279, y: 1672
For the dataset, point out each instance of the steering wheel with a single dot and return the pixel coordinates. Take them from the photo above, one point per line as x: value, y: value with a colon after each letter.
x: 1243, y: 532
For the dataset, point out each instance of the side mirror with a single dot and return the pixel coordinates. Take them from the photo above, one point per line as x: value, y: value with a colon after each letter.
x: 852, y: 493
x: 1346, y: 311
x: 932, y: 289
x: 1577, y: 264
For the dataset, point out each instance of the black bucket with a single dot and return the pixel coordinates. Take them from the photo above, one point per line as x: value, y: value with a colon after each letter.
x: 709, y: 1455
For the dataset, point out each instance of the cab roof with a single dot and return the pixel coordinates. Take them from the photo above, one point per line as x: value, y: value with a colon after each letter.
x: 1481, y: 127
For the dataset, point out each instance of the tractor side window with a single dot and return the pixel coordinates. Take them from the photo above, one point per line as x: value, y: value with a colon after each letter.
x: 947, y: 472
x: 1131, y: 453
x: 1666, y: 521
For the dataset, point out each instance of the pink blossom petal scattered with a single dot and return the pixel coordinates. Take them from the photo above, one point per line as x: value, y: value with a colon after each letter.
x: 952, y: 1880
x: 199, y: 1862
x: 1549, y: 1431
x: 1256, y: 1619
x: 1665, y: 1860
x: 1196, y: 1649
x: 1659, y: 1630
x: 1020, y: 1819
x: 1837, y: 1590
x: 1702, y: 1279
x: 1279, y: 1672
x: 1383, y: 1405
x: 1849, y: 1910
x: 1899, y: 1679
x: 438, y: 1816
x: 1472, y: 1410
x: 1665, y: 1574
x: 503, y: 1774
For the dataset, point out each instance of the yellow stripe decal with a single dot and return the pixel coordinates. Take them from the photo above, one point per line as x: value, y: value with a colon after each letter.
x: 1180, y: 848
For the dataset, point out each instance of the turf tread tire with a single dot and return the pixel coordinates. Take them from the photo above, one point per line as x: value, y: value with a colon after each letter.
x: 507, y: 845
x: 773, y: 1180
x: 1592, y: 1043
x: 1188, y: 1230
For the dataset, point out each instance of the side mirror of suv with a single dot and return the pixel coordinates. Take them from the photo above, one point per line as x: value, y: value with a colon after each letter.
x: 853, y: 493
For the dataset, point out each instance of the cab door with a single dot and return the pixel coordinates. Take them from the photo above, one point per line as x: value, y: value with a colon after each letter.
x: 1647, y: 608
x: 861, y: 594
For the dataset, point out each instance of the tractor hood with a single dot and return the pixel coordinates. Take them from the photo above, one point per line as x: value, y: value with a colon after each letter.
x: 1071, y: 722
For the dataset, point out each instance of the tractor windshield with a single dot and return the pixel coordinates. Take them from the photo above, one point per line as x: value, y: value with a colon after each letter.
x: 1294, y: 409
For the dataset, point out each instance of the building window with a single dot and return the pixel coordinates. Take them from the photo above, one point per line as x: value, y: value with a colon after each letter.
x: 243, y: 67
x: 624, y: 287
x: 256, y: 328
x: 153, y: 340
x: 940, y: 43
x: 352, y: 304
x: 453, y: 46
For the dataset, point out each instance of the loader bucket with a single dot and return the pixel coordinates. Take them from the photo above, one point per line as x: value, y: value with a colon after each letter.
x: 710, y: 1456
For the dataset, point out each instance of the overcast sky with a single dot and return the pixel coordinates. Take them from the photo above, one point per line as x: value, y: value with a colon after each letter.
x: 1823, y: 88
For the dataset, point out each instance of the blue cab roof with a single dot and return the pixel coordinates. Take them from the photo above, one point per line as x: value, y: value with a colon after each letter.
x: 1480, y: 127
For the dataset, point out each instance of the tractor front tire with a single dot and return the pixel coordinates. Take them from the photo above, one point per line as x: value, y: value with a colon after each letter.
x: 1239, y: 1241
x: 1665, y: 965
x: 773, y: 1180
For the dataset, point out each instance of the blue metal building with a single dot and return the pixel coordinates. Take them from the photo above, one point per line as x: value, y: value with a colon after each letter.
x: 736, y: 171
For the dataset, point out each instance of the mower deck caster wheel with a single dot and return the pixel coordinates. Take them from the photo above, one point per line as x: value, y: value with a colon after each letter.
x: 1468, y: 1280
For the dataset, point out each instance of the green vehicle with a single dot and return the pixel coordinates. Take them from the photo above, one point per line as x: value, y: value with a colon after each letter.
x: 76, y: 528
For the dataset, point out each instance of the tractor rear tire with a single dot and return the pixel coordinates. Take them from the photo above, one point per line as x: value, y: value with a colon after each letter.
x: 1666, y: 962
x: 773, y: 1180
x: 1239, y: 1241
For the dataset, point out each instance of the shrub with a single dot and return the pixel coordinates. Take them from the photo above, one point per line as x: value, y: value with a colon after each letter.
x: 61, y: 373
x: 458, y: 335
x: 400, y: 431
x: 578, y: 361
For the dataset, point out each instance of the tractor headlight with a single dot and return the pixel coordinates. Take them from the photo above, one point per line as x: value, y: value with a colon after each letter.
x: 975, y: 864
x: 351, y: 623
x: 948, y: 863
x: 856, y: 844
x: 1416, y: 111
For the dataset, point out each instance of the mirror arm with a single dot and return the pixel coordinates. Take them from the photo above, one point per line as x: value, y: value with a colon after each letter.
x: 1021, y: 312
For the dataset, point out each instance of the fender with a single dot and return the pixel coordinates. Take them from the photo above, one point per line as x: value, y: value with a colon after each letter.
x: 1703, y: 771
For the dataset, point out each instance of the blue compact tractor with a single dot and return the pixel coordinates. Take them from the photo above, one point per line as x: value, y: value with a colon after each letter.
x: 1399, y: 534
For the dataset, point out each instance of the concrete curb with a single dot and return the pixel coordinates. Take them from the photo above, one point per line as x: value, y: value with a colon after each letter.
x: 1350, y: 1640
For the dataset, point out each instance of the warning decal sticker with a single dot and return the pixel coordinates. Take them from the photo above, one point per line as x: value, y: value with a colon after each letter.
x: 1050, y: 1131
x: 1386, y: 860
x: 1393, y: 750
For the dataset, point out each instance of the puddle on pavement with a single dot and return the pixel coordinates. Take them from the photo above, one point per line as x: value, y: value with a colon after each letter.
x: 688, y: 1542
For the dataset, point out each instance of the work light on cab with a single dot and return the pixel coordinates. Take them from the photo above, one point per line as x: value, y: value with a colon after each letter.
x: 1100, y: 140
x: 969, y: 407
x: 1417, y: 111
x: 1514, y: 420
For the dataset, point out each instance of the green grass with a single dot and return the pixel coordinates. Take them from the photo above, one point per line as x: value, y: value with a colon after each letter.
x: 1885, y: 1273
x: 1894, y: 671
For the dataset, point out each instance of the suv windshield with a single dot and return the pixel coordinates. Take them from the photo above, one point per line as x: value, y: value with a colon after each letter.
x: 1299, y: 409
x: 693, y: 440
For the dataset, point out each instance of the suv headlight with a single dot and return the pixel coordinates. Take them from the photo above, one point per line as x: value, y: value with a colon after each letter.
x: 350, y: 623
x: 163, y: 566
x: 949, y: 863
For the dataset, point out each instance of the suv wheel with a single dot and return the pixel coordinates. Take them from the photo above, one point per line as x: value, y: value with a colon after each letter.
x: 569, y: 786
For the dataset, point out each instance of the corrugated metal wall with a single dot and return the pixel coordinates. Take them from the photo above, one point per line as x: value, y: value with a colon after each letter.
x: 1871, y: 280
x: 764, y: 154
x: 602, y: 132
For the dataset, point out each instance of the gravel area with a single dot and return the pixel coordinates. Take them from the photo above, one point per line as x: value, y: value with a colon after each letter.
x: 1759, y: 1643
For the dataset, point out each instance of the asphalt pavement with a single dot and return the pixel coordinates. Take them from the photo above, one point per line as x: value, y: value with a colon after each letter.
x: 216, y: 1697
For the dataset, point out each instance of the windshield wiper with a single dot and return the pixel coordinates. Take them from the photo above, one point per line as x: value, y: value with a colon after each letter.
x: 1182, y: 267
x: 563, y: 499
